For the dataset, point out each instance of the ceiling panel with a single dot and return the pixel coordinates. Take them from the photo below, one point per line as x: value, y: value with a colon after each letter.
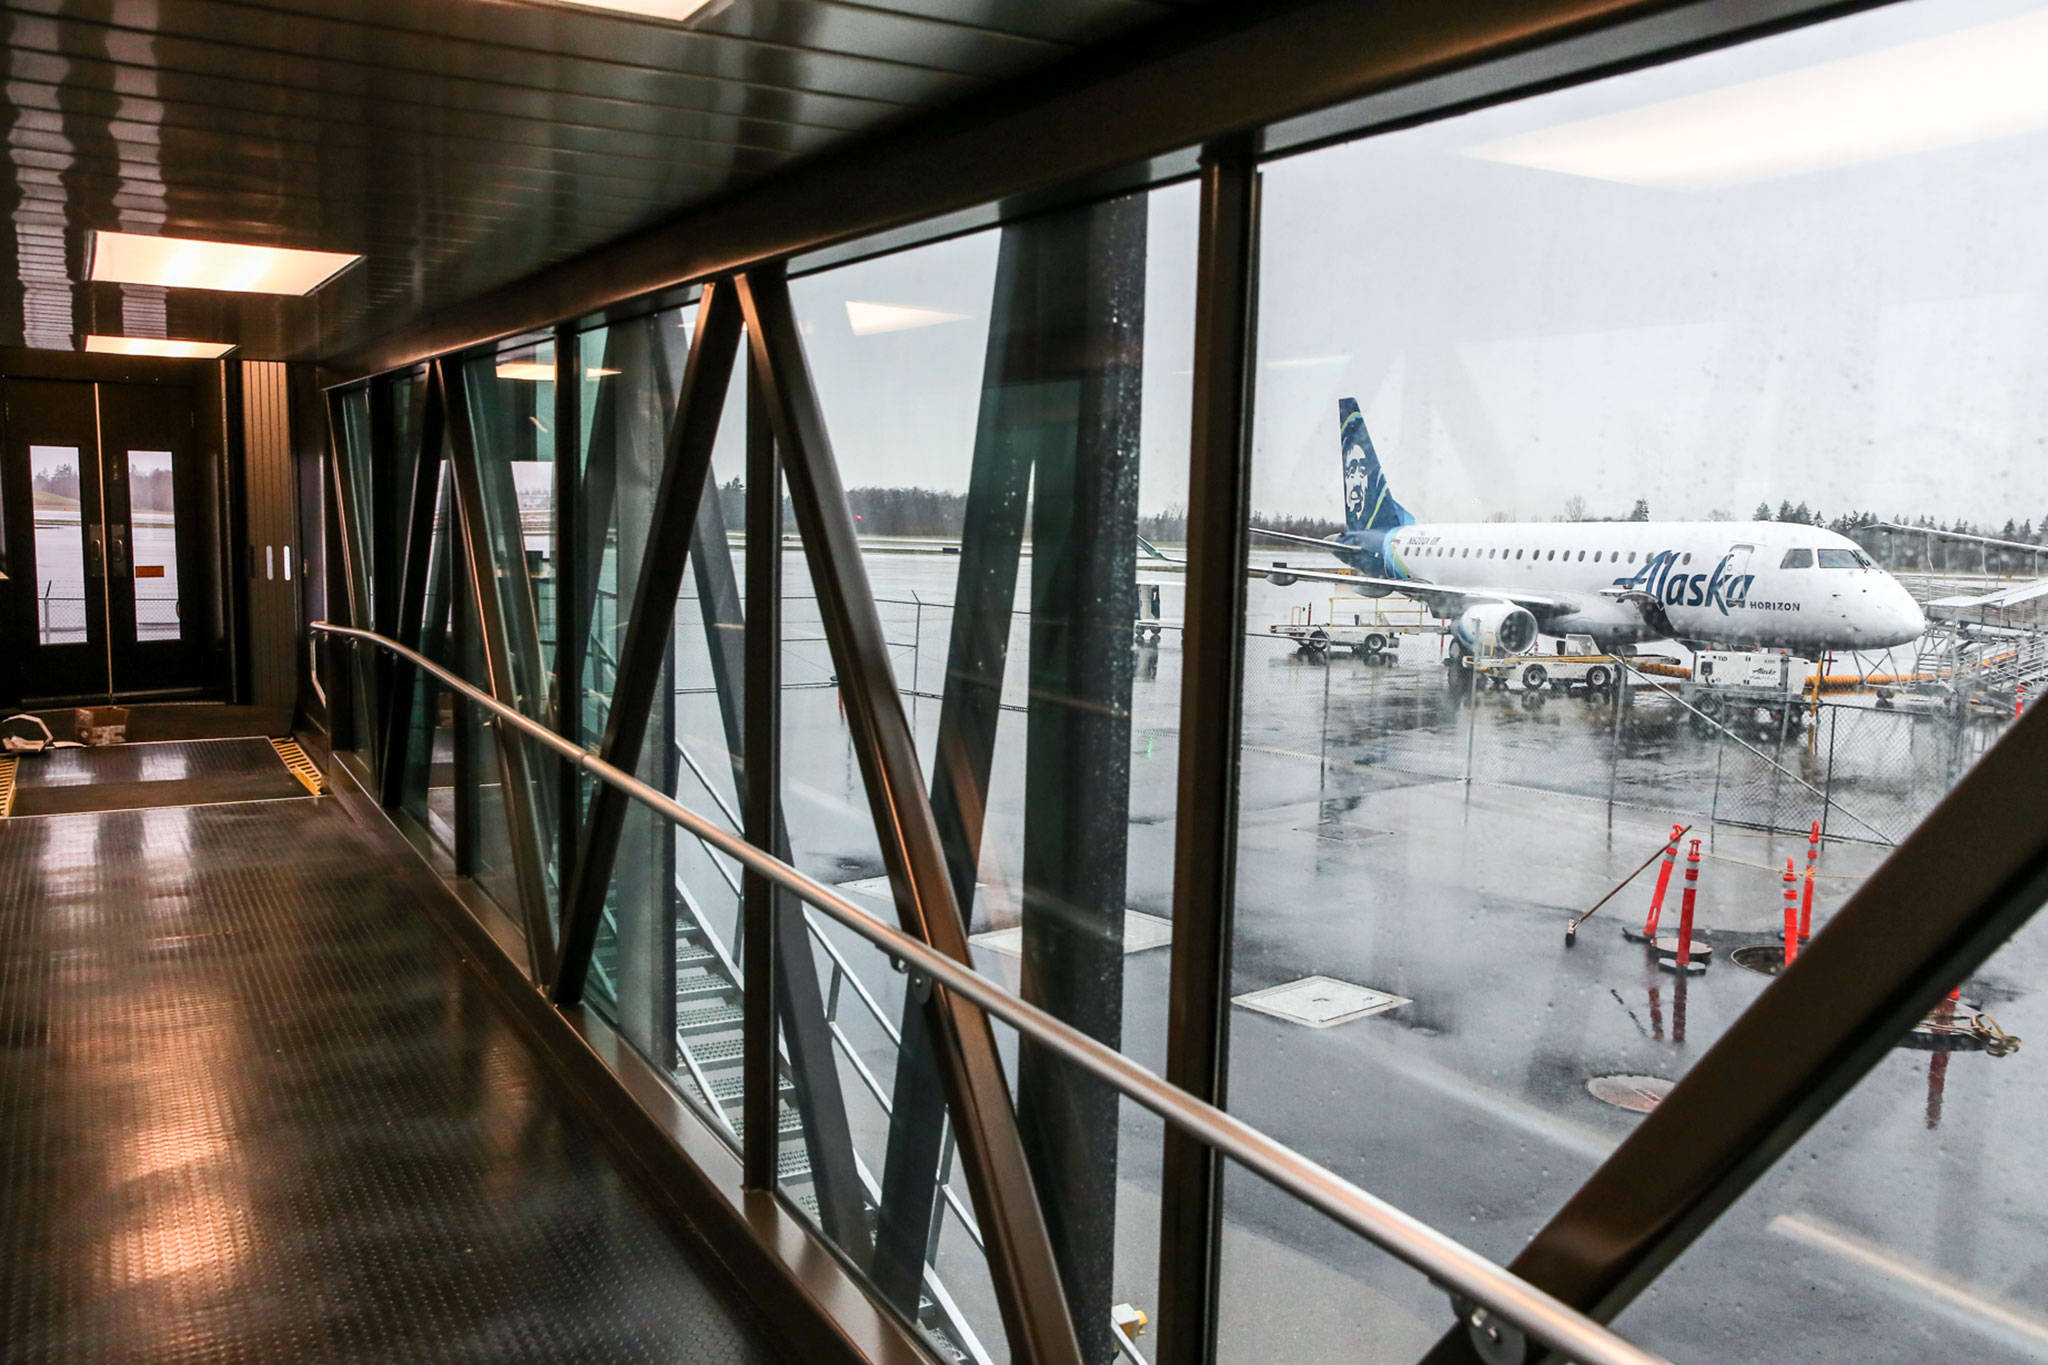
x: 458, y: 145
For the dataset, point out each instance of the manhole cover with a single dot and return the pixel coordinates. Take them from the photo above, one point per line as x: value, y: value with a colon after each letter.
x: 1637, y: 1094
x: 1768, y: 958
x: 1320, y: 1001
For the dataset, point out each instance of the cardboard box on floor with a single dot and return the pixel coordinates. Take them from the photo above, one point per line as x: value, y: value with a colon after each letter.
x: 102, y: 724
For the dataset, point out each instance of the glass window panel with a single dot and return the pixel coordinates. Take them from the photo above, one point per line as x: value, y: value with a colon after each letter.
x: 1603, y: 325
x: 512, y: 411
x: 363, y: 545
x: 153, y: 531
x: 1009, y: 411
x: 1907, y: 1219
x: 429, y: 787
x: 60, y: 544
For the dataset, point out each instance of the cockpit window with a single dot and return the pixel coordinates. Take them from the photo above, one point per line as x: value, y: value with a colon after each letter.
x: 1838, y: 559
x: 1797, y: 559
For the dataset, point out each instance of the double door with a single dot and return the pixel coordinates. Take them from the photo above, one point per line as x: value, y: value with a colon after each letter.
x: 102, y: 496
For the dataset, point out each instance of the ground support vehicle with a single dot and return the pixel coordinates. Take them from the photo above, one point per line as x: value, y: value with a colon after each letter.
x: 1758, y: 690
x: 1591, y: 673
x: 1368, y: 627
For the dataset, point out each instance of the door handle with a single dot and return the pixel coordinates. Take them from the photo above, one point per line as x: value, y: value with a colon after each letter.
x: 95, y: 554
x: 117, y: 550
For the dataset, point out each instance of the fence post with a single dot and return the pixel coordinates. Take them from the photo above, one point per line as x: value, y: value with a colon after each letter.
x: 1471, y: 723
x: 1614, y: 748
x: 1720, y: 755
x: 1827, y: 783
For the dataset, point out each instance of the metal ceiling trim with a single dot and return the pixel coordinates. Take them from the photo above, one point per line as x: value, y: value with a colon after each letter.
x: 1144, y: 101
x: 198, y: 60
x: 433, y: 52
x: 40, y: 112
x: 105, y: 97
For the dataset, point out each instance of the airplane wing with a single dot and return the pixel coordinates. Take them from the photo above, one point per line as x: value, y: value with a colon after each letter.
x: 1442, y: 599
x: 1293, y: 539
x: 1965, y: 536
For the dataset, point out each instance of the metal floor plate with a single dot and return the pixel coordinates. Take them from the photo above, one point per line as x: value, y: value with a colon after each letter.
x: 255, y: 1110
x: 169, y: 773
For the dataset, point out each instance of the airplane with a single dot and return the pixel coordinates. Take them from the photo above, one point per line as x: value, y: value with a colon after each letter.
x: 1743, y: 584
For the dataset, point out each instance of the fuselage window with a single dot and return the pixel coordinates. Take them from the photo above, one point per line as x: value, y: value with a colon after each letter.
x: 1838, y: 559
x: 1582, y: 556
x: 1685, y: 558
x: 1631, y: 556
x: 1797, y: 559
x: 1596, y: 556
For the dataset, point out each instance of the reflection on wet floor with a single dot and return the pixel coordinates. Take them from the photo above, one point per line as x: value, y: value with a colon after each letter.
x: 257, y: 1110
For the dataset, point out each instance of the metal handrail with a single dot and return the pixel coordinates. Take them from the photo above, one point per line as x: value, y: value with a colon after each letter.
x: 1501, y: 1296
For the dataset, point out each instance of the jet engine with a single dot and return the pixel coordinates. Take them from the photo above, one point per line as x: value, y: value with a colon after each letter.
x: 1512, y: 629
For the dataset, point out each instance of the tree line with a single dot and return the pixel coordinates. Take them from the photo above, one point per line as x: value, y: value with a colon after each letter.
x: 935, y: 513
x: 942, y: 515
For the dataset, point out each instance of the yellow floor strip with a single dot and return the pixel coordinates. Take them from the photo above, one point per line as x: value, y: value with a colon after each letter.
x: 302, y: 767
x: 7, y: 765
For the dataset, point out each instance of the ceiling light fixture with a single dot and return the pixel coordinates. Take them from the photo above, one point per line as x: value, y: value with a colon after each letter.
x: 867, y: 319
x: 1962, y: 87
x: 157, y: 346
x: 189, y: 263
x: 675, y: 11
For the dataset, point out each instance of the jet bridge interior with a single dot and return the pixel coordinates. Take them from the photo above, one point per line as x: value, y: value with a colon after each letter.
x: 551, y: 903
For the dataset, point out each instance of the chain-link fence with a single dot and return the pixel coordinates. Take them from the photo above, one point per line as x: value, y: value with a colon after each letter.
x: 1331, y: 726
x: 1862, y: 772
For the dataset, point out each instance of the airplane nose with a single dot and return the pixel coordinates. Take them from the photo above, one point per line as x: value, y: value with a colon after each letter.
x: 1907, y: 621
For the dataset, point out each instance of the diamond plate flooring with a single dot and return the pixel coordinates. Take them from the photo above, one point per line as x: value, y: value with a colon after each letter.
x: 129, y: 776
x: 253, y: 1109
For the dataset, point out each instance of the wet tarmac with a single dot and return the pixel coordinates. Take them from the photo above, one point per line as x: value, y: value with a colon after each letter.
x: 1407, y: 834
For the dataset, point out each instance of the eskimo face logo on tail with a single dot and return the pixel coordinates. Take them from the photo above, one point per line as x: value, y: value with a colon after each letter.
x: 1357, y: 470
x: 1719, y: 589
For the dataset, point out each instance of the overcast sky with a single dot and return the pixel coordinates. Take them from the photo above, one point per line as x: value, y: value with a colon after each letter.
x: 1871, y: 334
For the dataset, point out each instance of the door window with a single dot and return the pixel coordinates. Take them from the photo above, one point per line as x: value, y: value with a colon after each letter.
x: 153, y: 535
x: 60, y: 544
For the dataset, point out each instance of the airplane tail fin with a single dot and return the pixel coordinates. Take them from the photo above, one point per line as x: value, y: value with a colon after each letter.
x: 1368, y: 505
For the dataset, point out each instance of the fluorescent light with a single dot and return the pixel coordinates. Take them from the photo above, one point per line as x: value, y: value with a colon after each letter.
x: 178, y: 350
x: 1962, y: 87
x: 188, y: 263
x: 866, y: 319
x: 673, y: 10
x: 540, y: 371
